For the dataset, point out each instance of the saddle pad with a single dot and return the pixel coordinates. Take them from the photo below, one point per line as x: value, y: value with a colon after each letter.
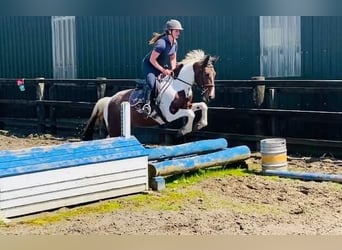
x: 136, y: 97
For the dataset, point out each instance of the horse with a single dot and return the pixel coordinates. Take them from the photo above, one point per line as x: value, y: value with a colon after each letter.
x: 173, y: 99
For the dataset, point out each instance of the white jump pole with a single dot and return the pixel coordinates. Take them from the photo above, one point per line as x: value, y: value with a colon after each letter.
x: 125, y: 119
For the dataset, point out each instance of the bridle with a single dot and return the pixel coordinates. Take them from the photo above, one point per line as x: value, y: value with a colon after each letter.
x: 204, y: 88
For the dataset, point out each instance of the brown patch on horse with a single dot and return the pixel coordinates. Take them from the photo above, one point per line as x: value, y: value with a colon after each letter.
x: 179, y: 102
x: 114, y: 115
x: 205, y: 75
x: 200, y: 71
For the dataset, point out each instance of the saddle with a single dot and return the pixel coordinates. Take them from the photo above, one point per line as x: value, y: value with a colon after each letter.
x: 137, y: 95
x: 136, y: 98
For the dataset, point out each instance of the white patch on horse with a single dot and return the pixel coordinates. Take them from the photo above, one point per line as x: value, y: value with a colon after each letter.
x: 193, y: 56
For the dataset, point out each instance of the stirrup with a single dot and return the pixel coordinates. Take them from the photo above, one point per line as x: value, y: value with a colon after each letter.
x: 147, y: 109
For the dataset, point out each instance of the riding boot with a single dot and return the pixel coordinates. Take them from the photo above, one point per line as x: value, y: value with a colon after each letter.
x: 147, y: 96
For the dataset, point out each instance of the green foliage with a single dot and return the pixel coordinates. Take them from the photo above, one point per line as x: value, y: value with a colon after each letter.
x: 202, y: 174
x: 101, y: 208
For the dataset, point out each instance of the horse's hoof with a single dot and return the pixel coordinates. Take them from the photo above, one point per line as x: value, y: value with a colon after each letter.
x: 179, y: 134
x: 199, y: 126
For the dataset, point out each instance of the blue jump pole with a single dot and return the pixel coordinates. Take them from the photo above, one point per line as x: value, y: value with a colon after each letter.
x: 197, y: 147
x: 305, y: 176
x: 176, y: 166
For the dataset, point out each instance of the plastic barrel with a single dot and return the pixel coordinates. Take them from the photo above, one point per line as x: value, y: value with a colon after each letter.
x: 273, y: 154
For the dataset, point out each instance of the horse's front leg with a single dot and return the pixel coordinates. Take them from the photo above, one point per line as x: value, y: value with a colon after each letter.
x: 203, y: 122
x: 189, y: 114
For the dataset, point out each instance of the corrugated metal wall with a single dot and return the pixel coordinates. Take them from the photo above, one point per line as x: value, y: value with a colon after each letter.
x: 25, y: 47
x: 322, y: 47
x: 114, y: 46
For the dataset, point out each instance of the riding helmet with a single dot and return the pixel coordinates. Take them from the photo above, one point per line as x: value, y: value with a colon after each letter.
x: 173, y: 24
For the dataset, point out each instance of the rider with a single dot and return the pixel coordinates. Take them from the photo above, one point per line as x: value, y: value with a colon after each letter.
x: 162, y: 59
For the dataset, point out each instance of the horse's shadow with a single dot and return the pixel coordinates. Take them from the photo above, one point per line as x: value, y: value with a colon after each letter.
x: 176, y: 138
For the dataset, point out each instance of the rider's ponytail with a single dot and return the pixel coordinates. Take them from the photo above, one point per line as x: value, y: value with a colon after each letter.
x: 155, y: 38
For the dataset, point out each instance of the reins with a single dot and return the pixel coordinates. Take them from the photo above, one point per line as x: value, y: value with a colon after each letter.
x: 187, y: 83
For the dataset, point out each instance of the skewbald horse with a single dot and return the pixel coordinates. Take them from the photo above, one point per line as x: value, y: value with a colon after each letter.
x: 173, y: 99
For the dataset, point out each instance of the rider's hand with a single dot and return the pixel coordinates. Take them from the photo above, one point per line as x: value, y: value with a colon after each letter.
x: 167, y: 72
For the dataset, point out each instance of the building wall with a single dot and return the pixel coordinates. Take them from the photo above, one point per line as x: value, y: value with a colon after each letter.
x: 322, y: 47
x: 114, y: 46
x: 25, y: 47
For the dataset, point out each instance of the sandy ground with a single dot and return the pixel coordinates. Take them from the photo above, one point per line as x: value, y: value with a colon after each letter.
x: 232, y: 205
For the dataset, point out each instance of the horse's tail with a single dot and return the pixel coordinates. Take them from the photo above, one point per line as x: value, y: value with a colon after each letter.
x: 88, y: 132
x: 96, y: 117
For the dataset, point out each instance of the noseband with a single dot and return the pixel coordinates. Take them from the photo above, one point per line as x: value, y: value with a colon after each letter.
x: 203, y: 88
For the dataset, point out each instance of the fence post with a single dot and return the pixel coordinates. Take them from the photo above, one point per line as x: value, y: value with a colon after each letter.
x: 52, y: 109
x: 272, y: 105
x: 40, y: 108
x: 101, y: 87
x: 258, y: 98
x: 259, y: 91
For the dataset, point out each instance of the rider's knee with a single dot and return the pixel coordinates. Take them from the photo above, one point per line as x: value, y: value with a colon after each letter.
x: 150, y: 80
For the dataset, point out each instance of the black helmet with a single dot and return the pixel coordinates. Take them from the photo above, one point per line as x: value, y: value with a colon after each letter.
x: 173, y: 24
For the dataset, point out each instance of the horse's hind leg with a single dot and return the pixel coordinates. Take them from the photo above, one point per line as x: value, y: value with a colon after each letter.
x: 113, y: 119
x: 203, y: 122
x: 103, y: 132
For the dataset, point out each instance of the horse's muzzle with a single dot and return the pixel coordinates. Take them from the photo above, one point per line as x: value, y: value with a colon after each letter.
x: 211, y: 95
x: 208, y: 94
x: 207, y: 99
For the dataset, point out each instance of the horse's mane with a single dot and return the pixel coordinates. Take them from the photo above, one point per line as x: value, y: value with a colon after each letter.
x: 193, y: 56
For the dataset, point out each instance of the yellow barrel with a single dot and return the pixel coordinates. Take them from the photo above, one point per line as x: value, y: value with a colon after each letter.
x: 273, y: 154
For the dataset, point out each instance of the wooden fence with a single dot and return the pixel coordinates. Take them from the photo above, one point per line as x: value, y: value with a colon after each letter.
x: 299, y: 110
x: 51, y: 104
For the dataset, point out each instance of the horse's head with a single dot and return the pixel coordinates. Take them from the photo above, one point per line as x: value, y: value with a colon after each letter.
x: 205, y: 77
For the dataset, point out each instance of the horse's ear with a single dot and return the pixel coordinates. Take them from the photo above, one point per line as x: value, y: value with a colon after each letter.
x: 214, y: 59
x: 210, y: 60
x: 206, y: 60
